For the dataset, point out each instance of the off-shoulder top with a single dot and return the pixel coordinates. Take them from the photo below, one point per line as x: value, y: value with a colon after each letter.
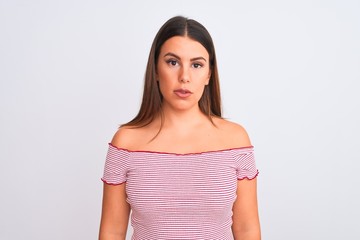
x: 180, y: 196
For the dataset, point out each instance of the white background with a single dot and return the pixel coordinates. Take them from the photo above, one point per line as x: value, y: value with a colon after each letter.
x: 71, y: 71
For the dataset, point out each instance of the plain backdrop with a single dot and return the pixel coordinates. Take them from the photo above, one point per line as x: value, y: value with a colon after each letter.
x: 72, y: 71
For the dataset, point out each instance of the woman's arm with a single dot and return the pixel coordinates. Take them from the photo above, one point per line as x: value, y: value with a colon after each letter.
x: 115, y: 209
x: 246, y: 224
x: 115, y: 213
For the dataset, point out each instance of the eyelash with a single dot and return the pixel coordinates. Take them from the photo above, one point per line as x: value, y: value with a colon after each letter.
x: 199, y: 65
x: 173, y: 62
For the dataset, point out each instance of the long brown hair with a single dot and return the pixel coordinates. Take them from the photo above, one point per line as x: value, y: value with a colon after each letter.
x: 209, y: 103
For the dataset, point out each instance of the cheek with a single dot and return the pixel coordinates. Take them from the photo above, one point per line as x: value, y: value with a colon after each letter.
x: 204, y: 78
x: 166, y: 76
x: 164, y: 86
x: 199, y: 90
x: 200, y: 86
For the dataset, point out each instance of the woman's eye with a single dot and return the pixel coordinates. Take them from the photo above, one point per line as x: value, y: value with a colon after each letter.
x: 172, y: 62
x: 197, y: 65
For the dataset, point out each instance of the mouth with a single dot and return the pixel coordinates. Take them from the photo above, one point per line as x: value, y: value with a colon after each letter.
x: 182, y: 93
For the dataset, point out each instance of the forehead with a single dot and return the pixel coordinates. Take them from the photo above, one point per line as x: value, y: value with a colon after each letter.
x: 184, y: 47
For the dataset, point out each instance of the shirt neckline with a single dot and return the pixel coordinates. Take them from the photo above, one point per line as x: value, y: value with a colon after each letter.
x: 183, y: 154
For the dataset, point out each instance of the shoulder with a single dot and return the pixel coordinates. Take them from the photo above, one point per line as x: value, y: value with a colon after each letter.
x: 133, y: 138
x: 233, y: 133
x: 124, y: 137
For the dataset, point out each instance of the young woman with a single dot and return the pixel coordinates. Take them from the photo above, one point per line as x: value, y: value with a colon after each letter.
x: 180, y: 169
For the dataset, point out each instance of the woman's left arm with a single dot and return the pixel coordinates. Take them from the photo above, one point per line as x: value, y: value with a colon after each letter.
x: 246, y: 223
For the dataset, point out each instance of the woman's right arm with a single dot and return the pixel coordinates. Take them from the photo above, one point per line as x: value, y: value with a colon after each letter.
x: 115, y: 213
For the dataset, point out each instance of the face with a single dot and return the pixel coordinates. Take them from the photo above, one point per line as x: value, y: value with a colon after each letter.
x: 183, y: 71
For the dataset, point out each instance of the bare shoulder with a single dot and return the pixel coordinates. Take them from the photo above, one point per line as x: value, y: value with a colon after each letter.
x: 233, y: 133
x: 124, y: 137
x: 133, y: 138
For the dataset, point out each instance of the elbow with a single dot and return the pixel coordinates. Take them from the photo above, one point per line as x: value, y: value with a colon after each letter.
x: 252, y: 233
x: 105, y: 235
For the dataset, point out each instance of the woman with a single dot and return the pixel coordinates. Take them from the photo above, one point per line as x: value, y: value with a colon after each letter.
x: 181, y: 169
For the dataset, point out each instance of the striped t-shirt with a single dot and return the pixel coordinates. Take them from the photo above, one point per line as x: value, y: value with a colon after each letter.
x: 180, y: 196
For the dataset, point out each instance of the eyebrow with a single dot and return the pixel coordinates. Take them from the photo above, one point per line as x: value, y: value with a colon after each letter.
x: 176, y: 56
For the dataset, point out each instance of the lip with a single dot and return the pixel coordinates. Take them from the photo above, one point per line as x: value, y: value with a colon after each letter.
x: 182, y: 92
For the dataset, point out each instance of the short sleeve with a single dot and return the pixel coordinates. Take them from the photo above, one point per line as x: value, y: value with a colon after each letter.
x: 116, y: 166
x: 245, y: 164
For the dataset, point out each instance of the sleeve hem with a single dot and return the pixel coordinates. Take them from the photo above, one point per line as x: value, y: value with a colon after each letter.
x: 250, y: 178
x: 112, y: 184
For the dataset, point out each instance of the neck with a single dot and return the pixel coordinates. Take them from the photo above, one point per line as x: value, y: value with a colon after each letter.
x: 183, y: 119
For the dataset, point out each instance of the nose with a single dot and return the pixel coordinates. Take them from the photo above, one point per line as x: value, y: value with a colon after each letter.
x: 184, y: 75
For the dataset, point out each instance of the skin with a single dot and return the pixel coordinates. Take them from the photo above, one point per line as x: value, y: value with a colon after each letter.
x: 182, y: 60
x: 183, y: 64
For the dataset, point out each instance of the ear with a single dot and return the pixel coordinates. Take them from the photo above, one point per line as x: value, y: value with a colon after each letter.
x: 208, y: 79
